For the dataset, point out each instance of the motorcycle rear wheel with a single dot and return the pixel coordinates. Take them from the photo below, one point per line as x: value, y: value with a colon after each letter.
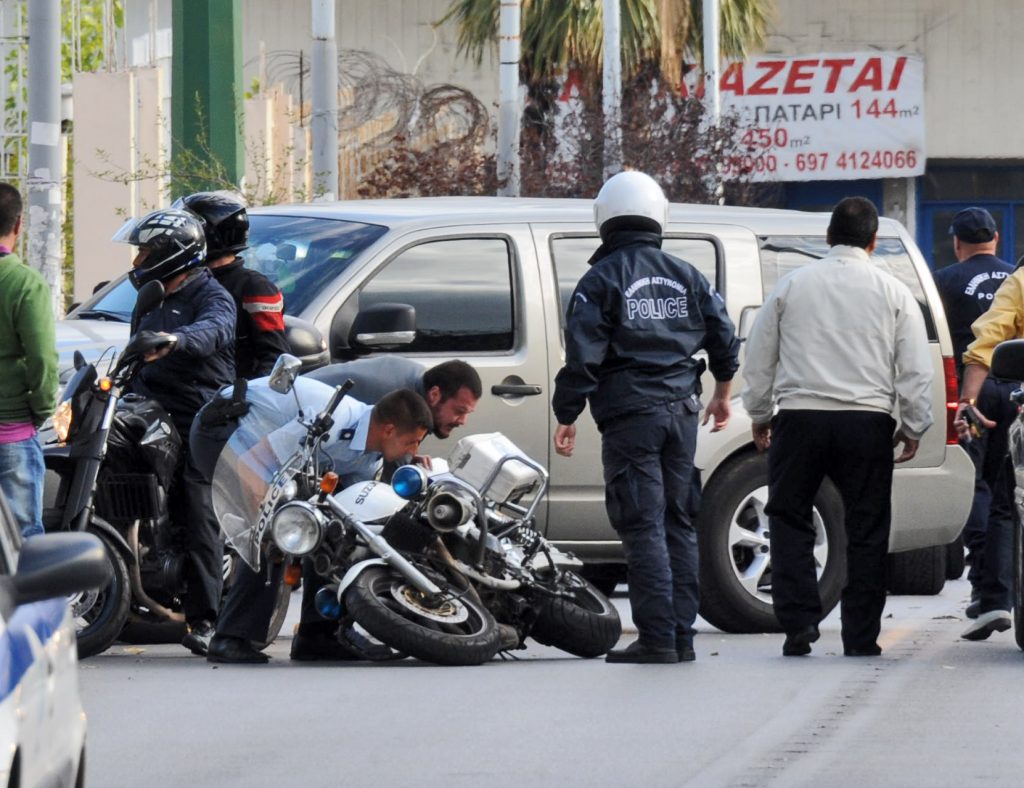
x: 586, y: 626
x: 100, y: 616
x: 471, y: 637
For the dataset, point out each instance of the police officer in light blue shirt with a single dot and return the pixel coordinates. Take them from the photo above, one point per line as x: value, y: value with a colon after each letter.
x: 363, y: 436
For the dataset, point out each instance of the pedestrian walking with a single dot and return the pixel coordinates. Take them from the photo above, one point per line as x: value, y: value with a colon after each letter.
x: 28, y: 371
x: 836, y: 346
x: 967, y: 289
x: 634, y: 323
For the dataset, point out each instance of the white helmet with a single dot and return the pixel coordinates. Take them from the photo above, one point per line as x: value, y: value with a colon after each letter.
x: 630, y: 200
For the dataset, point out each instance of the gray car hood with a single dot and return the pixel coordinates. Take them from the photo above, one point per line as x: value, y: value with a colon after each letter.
x: 92, y: 338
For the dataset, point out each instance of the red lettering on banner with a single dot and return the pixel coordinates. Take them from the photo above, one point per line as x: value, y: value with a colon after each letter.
x: 758, y: 88
x: 870, y: 76
x: 835, y: 67
x: 799, y: 71
x: 732, y: 79
x: 897, y: 73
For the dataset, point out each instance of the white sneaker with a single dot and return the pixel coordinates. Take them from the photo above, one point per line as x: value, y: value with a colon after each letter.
x: 987, y: 623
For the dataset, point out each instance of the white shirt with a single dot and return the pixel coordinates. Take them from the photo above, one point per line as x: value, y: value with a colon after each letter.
x: 840, y: 334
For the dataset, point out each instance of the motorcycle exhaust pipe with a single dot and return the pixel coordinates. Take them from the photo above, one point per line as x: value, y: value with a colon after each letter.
x: 136, y: 577
x: 446, y: 511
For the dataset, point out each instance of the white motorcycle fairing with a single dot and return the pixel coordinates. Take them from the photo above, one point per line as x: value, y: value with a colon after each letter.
x: 370, y: 501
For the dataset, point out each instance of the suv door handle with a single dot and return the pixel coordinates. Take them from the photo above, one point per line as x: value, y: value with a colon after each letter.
x: 516, y: 390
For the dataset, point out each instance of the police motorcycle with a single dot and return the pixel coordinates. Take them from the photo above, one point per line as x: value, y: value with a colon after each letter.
x: 275, y: 497
x: 470, y: 518
x: 111, y: 457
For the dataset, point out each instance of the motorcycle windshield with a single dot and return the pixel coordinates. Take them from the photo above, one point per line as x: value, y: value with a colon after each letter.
x: 244, y: 478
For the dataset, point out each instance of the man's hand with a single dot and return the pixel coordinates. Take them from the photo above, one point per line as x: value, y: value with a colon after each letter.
x: 909, y: 446
x: 162, y: 350
x: 721, y: 410
x: 762, y: 435
x: 423, y: 460
x: 962, y: 423
x: 565, y: 439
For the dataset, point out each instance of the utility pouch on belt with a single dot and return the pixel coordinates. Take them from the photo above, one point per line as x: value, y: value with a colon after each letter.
x: 702, y: 365
x: 221, y: 410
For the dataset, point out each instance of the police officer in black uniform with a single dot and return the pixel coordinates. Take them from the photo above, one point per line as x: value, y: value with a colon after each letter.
x: 198, y: 318
x: 967, y: 289
x: 259, y: 331
x: 634, y: 323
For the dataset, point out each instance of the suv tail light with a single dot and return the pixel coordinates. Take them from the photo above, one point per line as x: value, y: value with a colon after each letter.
x: 952, y: 399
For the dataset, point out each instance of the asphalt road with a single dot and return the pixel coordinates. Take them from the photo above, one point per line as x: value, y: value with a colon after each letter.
x: 934, y: 710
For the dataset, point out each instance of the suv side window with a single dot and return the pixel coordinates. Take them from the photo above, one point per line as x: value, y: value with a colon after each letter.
x: 461, y: 289
x: 571, y: 253
x: 781, y: 254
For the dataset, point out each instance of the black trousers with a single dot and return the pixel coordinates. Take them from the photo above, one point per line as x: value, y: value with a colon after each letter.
x: 650, y: 492
x: 854, y: 449
x: 190, y: 505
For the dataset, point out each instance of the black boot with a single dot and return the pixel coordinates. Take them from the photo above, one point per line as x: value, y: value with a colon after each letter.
x: 798, y: 644
x: 637, y: 652
x: 232, y: 650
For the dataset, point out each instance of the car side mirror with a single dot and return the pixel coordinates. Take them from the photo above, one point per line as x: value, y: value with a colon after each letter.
x: 1008, y: 360
x: 383, y: 326
x: 55, y: 565
x: 282, y: 376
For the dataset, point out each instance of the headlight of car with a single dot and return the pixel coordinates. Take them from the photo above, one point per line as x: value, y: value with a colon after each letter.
x: 297, y: 528
x: 61, y: 421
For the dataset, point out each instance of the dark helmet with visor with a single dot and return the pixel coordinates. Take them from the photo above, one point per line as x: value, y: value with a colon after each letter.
x: 225, y: 221
x: 174, y: 241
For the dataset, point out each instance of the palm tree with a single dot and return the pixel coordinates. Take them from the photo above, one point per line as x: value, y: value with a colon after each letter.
x: 560, y: 34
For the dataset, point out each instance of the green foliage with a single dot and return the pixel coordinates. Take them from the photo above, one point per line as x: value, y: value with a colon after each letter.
x: 558, y: 34
x: 89, y: 35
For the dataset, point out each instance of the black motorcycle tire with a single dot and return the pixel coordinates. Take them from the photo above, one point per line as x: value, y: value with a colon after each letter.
x: 371, y: 604
x: 586, y: 626
x: 110, y: 611
x: 284, y: 595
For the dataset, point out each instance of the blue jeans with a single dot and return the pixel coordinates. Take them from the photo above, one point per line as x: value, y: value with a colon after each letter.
x: 21, y: 482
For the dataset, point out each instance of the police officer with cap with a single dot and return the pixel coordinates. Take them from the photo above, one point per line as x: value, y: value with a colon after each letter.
x: 967, y: 289
x: 633, y: 325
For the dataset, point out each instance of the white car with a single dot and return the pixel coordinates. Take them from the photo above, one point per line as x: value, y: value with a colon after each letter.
x: 42, y: 724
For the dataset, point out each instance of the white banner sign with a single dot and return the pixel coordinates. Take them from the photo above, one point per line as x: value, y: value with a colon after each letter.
x: 827, y: 117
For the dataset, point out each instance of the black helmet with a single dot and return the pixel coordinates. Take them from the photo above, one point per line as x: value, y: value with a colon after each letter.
x: 174, y: 239
x: 224, y: 220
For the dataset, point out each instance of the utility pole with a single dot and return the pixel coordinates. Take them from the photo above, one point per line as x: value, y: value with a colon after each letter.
x: 611, y: 88
x: 45, y: 160
x: 711, y: 60
x: 509, y: 115
x: 324, y: 122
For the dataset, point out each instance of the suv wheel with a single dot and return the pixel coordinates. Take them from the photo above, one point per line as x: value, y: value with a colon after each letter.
x: 735, y: 554
x: 920, y: 572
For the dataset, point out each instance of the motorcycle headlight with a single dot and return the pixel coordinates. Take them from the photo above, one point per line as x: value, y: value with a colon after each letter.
x: 297, y: 528
x: 61, y: 421
x: 409, y: 481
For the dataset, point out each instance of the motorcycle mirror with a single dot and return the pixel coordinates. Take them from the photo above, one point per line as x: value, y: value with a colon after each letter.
x: 282, y: 376
x: 151, y: 295
x: 79, y: 360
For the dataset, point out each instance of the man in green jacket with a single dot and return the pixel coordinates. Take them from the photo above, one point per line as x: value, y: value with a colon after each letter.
x: 28, y: 372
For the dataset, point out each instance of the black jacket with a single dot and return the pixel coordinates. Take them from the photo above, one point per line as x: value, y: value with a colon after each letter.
x: 635, y: 320
x: 259, y: 329
x: 202, y: 315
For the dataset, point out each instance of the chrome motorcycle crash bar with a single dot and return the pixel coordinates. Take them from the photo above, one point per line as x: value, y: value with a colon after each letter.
x: 381, y: 547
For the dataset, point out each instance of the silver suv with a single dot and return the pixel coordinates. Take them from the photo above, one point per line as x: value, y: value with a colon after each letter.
x: 489, y: 278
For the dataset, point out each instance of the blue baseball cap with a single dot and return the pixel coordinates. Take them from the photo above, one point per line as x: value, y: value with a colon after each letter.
x: 973, y: 226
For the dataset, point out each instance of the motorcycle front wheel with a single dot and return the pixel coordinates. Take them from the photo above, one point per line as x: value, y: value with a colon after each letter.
x: 586, y: 625
x: 454, y: 631
x: 100, y: 615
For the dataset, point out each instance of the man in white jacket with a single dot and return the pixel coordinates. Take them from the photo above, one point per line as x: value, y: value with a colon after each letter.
x: 836, y: 346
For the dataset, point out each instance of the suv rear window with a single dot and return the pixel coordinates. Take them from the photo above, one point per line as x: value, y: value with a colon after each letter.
x: 781, y: 254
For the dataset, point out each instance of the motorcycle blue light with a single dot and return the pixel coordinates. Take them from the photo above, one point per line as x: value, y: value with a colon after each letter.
x: 327, y: 604
x: 409, y: 481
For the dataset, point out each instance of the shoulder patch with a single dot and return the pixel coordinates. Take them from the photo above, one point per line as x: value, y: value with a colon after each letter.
x: 347, y: 435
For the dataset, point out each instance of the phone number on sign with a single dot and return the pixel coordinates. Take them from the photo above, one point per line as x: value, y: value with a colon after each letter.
x: 857, y: 160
